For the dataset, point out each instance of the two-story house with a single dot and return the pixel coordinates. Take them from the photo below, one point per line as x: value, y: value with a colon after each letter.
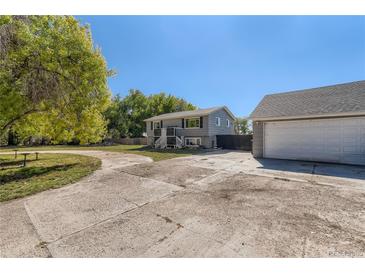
x: 195, y: 128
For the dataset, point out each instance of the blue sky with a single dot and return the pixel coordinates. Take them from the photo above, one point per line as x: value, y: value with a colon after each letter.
x: 229, y: 60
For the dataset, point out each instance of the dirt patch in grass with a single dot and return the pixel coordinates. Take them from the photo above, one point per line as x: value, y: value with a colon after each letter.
x: 50, y: 171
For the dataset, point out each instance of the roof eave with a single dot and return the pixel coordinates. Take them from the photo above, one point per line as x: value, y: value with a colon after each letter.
x: 298, y: 117
x: 157, y: 118
x: 229, y: 113
x: 176, y: 117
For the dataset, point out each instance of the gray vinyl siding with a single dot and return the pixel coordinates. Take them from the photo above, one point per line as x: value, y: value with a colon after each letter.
x: 207, y: 141
x: 222, y: 129
x: 210, y: 142
x: 258, y: 139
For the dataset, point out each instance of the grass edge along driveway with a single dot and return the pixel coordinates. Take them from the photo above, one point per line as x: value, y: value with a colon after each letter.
x: 156, y: 155
x: 49, y: 172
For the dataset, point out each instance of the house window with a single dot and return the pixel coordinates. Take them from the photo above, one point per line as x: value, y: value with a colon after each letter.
x: 156, y: 125
x: 218, y: 121
x: 228, y: 123
x: 191, y: 142
x: 192, y: 122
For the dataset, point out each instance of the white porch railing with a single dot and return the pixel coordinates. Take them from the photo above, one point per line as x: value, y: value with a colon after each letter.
x: 179, y: 141
x: 164, y: 138
x: 161, y: 142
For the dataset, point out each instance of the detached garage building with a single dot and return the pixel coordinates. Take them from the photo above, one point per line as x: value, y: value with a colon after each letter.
x: 321, y: 124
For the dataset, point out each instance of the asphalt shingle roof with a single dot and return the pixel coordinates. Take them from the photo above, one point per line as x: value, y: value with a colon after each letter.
x: 336, y: 99
x: 189, y: 113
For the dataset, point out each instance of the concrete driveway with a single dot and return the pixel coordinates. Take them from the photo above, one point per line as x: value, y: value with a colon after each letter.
x: 219, y: 204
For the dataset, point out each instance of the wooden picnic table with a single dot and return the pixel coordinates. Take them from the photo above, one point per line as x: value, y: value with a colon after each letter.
x: 25, y: 154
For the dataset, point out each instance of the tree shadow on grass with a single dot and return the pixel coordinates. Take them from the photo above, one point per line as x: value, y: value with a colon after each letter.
x: 13, y: 163
x: 29, y: 172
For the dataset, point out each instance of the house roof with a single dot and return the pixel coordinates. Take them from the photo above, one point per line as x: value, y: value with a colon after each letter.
x: 189, y: 113
x: 337, y: 100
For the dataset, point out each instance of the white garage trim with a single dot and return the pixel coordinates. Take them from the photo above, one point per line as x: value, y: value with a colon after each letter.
x: 314, y: 116
x: 339, y: 140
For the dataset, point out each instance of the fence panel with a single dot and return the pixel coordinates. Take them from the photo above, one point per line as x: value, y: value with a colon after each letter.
x: 241, y: 142
x: 129, y: 141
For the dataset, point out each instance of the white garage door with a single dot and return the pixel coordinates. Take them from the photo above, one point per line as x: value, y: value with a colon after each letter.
x: 340, y: 140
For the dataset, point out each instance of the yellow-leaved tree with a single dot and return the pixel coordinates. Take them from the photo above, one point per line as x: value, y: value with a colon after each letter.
x: 53, y: 80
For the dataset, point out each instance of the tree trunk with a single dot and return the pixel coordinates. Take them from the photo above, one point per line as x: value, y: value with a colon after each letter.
x: 12, y: 138
x: 4, y: 129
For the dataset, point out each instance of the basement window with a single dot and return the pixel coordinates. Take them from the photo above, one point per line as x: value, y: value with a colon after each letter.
x: 192, y: 142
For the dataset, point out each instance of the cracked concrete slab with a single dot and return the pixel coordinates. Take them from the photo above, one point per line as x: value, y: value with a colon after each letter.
x: 220, y: 204
x: 127, y: 235
x: 139, y: 233
x: 247, y: 216
x: 263, y: 217
x: 72, y: 208
x: 18, y: 236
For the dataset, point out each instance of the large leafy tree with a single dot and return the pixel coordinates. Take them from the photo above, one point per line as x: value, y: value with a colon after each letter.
x: 126, y: 116
x: 53, y: 81
x: 118, y: 118
x: 136, y: 104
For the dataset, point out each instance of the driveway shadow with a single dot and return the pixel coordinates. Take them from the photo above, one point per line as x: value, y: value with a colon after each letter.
x: 314, y: 168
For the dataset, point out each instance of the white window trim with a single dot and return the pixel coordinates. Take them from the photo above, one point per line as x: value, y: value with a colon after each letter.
x: 194, y: 138
x: 191, y: 118
x: 228, y: 123
x: 218, y: 119
x: 155, y: 122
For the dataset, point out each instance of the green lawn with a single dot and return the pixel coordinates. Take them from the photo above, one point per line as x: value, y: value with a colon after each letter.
x: 50, y: 171
x: 156, y: 155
